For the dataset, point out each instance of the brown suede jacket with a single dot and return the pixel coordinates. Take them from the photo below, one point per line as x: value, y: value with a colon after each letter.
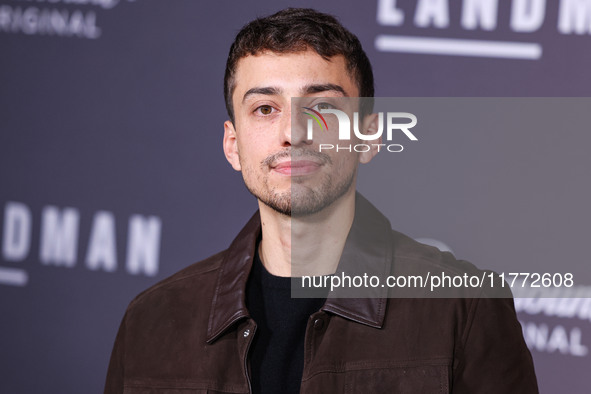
x: 191, y: 332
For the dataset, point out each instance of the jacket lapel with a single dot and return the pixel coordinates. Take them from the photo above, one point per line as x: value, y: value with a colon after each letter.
x: 228, y: 305
x: 368, y: 250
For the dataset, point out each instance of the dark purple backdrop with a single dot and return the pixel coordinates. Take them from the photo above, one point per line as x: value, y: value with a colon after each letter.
x: 114, y: 109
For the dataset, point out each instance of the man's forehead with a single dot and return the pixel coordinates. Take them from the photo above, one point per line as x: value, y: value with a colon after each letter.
x: 305, y: 72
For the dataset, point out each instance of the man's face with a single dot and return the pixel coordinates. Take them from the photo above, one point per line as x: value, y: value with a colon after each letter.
x: 279, y: 165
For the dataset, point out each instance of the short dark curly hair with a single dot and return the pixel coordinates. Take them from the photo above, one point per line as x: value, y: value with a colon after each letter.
x: 294, y: 30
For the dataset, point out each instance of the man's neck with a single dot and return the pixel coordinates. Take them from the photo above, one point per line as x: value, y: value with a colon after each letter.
x: 308, y: 245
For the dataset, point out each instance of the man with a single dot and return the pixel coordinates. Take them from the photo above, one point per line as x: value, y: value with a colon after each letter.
x: 228, y: 324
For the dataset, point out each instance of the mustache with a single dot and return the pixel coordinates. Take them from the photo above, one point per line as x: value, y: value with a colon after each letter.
x: 323, y: 158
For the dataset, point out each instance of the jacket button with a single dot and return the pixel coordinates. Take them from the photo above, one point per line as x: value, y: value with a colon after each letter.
x: 246, y: 333
x: 318, y: 324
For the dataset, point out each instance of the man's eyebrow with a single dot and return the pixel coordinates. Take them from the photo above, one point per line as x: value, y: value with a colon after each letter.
x: 268, y: 91
x: 323, y: 87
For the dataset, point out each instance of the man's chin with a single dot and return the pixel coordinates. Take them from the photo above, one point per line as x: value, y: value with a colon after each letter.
x: 302, y: 200
x: 299, y: 206
x: 284, y: 205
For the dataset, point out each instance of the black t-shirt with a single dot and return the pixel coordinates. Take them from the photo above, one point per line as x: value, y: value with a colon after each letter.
x: 277, y: 351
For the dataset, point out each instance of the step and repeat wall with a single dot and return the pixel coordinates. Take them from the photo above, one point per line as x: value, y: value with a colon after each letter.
x: 112, y: 175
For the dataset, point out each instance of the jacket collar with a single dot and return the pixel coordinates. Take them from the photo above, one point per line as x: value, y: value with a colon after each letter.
x: 367, y: 250
x: 228, y: 305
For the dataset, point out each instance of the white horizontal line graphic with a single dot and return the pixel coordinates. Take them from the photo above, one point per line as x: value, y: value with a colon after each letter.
x: 12, y: 276
x: 459, y: 47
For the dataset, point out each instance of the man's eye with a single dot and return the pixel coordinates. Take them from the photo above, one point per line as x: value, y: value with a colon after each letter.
x: 321, y: 106
x: 265, y: 110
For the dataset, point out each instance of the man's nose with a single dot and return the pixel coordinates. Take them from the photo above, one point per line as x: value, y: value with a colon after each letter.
x: 294, y: 128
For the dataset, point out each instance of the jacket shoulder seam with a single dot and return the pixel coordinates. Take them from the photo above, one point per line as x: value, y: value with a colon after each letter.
x: 178, y: 277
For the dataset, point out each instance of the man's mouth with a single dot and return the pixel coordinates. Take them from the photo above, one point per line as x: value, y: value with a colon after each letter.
x: 296, y: 167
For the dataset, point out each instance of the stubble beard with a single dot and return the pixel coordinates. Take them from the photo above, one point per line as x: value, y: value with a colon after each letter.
x: 301, y: 200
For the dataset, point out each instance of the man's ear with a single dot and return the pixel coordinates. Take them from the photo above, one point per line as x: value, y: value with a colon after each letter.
x: 370, y: 126
x: 231, y: 145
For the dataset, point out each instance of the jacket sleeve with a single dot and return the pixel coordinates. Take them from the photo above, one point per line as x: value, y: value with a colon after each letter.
x: 115, y: 372
x: 493, y: 355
